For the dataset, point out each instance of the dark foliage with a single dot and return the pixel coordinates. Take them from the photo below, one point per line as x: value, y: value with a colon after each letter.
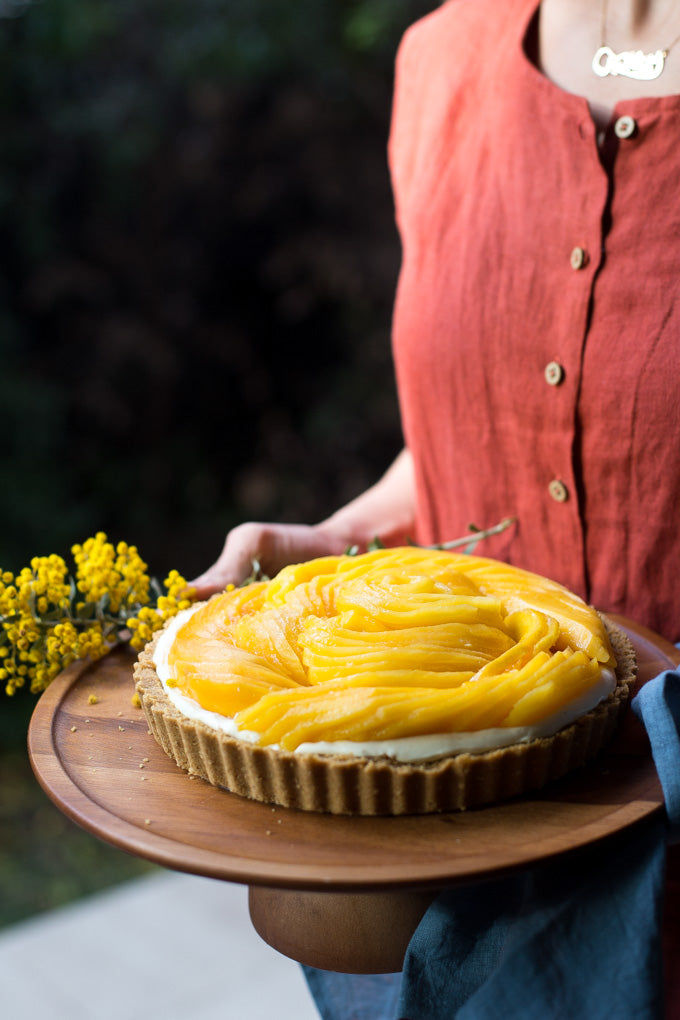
x: 198, y: 263
x: 197, y: 266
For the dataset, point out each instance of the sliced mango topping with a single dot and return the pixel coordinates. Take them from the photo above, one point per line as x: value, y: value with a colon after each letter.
x: 394, y: 643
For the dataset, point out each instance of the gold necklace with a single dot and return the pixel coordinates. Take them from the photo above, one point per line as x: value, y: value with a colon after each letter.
x: 629, y: 63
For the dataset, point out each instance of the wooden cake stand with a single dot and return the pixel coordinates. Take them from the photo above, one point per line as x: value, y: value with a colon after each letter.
x: 337, y: 893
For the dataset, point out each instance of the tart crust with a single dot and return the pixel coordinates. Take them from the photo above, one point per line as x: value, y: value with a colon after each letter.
x: 346, y: 785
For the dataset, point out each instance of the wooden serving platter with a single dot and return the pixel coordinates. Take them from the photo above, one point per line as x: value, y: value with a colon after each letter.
x: 98, y: 763
x: 318, y: 880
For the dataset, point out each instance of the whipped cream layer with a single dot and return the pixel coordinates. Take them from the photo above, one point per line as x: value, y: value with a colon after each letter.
x: 405, y: 749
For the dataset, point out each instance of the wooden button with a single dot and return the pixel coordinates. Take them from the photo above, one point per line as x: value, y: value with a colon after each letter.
x: 554, y: 373
x: 558, y: 491
x: 624, y: 127
x: 578, y: 258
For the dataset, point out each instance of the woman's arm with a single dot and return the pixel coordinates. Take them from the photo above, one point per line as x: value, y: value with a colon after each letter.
x: 385, y: 511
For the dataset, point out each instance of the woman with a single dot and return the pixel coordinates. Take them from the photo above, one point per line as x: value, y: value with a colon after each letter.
x: 536, y: 169
x: 536, y: 319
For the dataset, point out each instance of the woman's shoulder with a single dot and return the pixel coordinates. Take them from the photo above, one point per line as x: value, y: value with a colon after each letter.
x: 464, y: 27
x: 452, y: 54
x: 447, y: 71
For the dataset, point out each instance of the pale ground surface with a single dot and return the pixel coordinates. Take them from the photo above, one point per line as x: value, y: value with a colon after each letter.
x: 171, y: 946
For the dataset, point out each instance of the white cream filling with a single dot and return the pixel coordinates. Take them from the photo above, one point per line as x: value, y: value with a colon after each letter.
x: 403, y: 749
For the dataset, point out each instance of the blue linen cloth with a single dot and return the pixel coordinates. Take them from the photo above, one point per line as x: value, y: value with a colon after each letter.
x: 576, y: 937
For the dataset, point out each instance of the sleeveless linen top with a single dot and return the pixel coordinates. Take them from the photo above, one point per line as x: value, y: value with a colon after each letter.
x: 537, y: 320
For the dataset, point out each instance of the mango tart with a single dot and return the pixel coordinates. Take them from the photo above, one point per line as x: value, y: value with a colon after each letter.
x: 399, y: 681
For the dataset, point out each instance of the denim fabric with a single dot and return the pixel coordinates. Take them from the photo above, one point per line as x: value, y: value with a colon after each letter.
x: 353, y: 996
x: 577, y: 937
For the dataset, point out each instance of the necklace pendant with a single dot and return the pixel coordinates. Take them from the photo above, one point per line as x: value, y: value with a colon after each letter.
x: 629, y: 63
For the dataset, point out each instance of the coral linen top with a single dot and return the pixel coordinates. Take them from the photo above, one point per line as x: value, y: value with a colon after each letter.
x: 537, y: 320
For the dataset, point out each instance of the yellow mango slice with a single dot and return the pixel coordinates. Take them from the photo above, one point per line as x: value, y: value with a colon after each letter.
x: 393, y: 643
x: 520, y: 589
x: 564, y: 682
x: 332, y: 650
x: 229, y: 680
x: 383, y: 676
x: 533, y: 633
x: 338, y: 712
x: 383, y: 608
x: 272, y: 634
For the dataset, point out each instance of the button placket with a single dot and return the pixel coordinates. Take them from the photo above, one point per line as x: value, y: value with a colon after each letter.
x: 581, y: 249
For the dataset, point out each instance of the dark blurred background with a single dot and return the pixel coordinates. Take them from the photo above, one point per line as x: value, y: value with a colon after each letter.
x: 197, y: 268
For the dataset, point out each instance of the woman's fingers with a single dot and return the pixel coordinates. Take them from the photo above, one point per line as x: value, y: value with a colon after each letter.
x: 271, y: 546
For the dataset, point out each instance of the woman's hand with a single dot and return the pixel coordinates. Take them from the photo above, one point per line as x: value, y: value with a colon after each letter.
x: 273, y: 546
x: 385, y: 511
